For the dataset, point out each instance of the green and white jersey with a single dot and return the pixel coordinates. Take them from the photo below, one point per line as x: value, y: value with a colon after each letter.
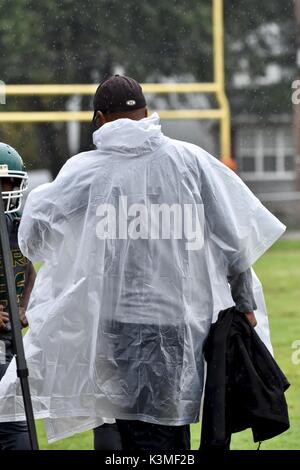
x: 20, y: 264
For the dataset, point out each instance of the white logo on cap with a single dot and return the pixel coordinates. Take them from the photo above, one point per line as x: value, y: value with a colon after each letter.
x: 130, y: 102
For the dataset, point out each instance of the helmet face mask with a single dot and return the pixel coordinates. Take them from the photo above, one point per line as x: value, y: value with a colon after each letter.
x: 12, y: 200
x: 12, y: 169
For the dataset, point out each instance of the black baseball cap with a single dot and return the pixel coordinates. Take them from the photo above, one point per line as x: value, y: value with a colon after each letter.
x: 118, y: 93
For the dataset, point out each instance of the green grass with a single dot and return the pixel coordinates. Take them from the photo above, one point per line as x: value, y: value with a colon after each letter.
x: 279, y: 272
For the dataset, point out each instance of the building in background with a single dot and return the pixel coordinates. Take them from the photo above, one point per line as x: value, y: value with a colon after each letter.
x: 265, y: 154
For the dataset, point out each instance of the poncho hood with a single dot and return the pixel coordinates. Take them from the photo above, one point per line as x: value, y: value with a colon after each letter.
x: 123, y: 135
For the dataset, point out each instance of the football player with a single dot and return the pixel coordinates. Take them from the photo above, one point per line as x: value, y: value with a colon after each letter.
x: 13, y: 435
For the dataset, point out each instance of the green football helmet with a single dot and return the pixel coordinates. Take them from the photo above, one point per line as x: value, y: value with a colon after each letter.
x: 12, y: 168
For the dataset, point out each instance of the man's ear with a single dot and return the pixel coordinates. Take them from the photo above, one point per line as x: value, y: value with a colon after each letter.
x: 100, y: 119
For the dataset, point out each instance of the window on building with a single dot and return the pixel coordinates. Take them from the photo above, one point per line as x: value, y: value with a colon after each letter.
x: 289, y: 163
x: 265, y: 153
x: 270, y: 163
x: 248, y: 164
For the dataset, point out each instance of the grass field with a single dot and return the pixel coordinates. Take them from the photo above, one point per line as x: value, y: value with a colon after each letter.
x: 279, y: 272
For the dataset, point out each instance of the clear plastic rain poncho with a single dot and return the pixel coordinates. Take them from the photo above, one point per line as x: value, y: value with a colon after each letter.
x: 136, y: 238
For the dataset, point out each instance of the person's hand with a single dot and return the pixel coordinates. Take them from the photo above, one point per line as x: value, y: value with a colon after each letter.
x: 22, y: 316
x: 4, y: 317
x: 251, y: 318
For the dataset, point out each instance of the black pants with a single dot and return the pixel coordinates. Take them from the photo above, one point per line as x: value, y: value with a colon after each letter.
x: 14, y: 436
x: 107, y: 437
x: 138, y: 435
x: 144, y: 341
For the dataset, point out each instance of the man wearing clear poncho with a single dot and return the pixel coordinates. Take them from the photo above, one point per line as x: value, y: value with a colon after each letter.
x: 125, y: 297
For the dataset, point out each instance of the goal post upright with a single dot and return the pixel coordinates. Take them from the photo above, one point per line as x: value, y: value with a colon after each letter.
x: 219, y: 80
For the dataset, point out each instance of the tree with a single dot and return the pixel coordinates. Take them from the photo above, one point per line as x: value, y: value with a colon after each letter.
x: 260, y: 34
